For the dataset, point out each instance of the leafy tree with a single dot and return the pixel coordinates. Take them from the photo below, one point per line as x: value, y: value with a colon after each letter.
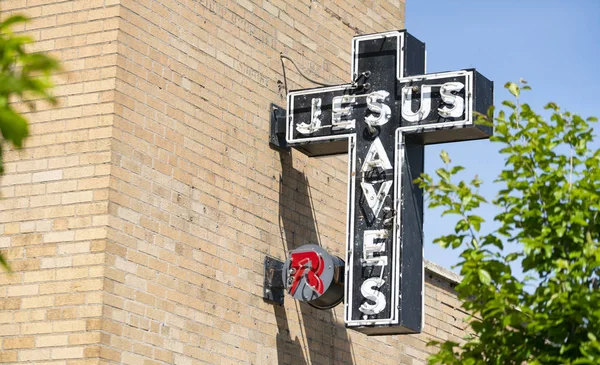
x: 549, y: 206
x: 24, y: 76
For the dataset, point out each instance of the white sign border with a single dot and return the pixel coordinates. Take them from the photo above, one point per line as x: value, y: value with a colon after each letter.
x: 350, y: 252
x: 290, y: 117
x: 398, y: 165
x: 467, y: 121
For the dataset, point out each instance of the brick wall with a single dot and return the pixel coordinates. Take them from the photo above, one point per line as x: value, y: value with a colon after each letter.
x: 54, y: 207
x: 139, y: 214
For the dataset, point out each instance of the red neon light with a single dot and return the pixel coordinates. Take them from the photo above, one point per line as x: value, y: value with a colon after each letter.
x: 308, y: 264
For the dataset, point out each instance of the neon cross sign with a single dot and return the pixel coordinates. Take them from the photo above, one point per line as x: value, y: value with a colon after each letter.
x: 382, y: 120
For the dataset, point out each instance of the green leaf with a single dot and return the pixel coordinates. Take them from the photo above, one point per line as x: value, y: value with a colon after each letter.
x: 4, y: 263
x: 549, y: 213
x: 456, y: 169
x: 512, y: 257
x: 445, y: 157
x: 484, y: 276
x: 15, y: 19
x: 490, y: 112
x: 509, y: 104
x: 476, y: 221
x: 13, y: 126
x: 444, y: 174
x: 513, y: 88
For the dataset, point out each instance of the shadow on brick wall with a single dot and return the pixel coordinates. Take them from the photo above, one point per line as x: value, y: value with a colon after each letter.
x: 323, y: 339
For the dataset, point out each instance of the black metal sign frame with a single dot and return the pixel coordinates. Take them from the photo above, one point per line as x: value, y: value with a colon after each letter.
x: 382, y: 120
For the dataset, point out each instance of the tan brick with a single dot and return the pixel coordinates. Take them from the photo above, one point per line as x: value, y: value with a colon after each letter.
x: 76, y: 100
x: 6, y: 317
x: 93, y: 324
x: 55, y: 287
x: 44, y: 200
x: 53, y: 262
x: 37, y: 302
x: 89, y: 234
x: 24, y: 265
x: 69, y: 326
x: 10, y: 303
x: 16, y: 179
x: 50, y: 175
x: 8, y: 356
x: 11, y: 228
x: 85, y: 338
x: 37, y: 276
x: 77, y: 197
x: 51, y: 341
x: 60, y: 236
x: 26, y: 239
x: 13, y: 4
x: 22, y: 290
x: 37, y: 315
x: 36, y: 328
x: 91, y: 351
x: 32, y: 165
x: 71, y: 273
x: 73, y: 248
x: 110, y: 354
x: 18, y: 343
x: 67, y: 353
x: 70, y: 299
x: 61, y: 187
x: 34, y: 355
x: 101, y: 37
x: 88, y: 285
x: 97, y: 271
x: 9, y: 329
x: 90, y: 311
x: 57, y: 8
x: 88, y: 27
x: 95, y: 297
x: 91, y: 259
x: 10, y: 278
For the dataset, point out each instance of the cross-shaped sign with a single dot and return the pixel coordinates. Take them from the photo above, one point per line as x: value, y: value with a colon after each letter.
x: 383, y: 118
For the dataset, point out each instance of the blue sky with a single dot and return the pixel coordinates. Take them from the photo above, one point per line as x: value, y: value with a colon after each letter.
x: 553, y: 44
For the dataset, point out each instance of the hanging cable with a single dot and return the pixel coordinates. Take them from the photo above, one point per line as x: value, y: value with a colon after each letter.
x: 282, y: 56
x: 353, y: 85
x: 284, y: 76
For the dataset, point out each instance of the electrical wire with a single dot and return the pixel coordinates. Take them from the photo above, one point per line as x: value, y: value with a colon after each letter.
x: 282, y: 57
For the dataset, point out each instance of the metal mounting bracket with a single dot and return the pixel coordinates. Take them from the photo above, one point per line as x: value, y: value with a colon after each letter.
x: 277, y: 137
x: 273, y: 288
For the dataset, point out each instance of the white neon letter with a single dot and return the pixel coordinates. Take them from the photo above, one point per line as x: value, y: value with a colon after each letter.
x: 374, y: 242
x: 456, y: 102
x: 424, y: 109
x: 375, y: 105
x: 315, y: 122
x: 375, y: 158
x: 341, y: 108
x: 373, y: 295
